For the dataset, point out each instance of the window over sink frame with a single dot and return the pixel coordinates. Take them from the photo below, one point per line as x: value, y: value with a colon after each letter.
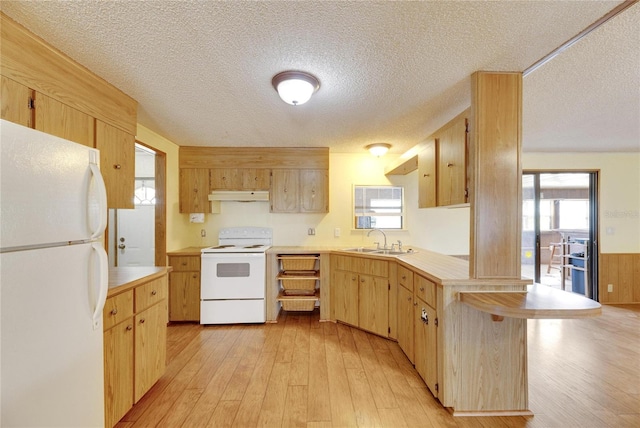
x: 378, y: 207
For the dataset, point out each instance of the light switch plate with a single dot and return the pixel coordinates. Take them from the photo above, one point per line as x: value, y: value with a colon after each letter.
x: 196, y: 217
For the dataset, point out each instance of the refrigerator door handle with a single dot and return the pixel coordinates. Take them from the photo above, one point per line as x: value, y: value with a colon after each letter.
x: 101, y: 190
x: 103, y: 277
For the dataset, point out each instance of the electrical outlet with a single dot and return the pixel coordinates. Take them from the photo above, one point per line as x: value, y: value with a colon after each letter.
x: 311, y: 231
x: 203, y: 233
x: 610, y: 288
x: 336, y: 232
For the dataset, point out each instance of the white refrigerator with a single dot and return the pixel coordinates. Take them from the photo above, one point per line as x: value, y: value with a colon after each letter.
x: 53, y: 281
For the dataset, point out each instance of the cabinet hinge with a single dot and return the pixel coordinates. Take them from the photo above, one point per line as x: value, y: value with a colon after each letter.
x: 31, y: 104
x: 437, y: 388
x: 389, y: 286
x: 436, y: 322
x: 389, y: 330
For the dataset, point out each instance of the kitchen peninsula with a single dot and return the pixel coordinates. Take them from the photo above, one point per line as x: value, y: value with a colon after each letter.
x: 469, y: 354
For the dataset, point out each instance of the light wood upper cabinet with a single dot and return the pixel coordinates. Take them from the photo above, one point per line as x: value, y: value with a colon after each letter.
x: 55, y: 118
x: 427, y: 176
x: 314, y: 191
x: 452, y: 163
x: 17, y: 102
x: 27, y: 107
x: 285, y: 191
x: 223, y: 179
x: 117, y: 164
x: 194, y: 190
x: 255, y: 178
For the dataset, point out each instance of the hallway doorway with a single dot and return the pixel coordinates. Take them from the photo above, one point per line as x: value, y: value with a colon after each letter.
x: 559, y: 230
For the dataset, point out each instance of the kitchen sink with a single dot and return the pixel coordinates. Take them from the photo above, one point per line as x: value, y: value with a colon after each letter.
x: 362, y: 250
x: 378, y: 251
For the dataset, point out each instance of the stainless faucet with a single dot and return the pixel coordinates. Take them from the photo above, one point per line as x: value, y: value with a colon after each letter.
x: 383, y: 234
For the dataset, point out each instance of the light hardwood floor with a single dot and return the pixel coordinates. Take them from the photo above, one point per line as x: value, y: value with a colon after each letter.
x: 303, y: 373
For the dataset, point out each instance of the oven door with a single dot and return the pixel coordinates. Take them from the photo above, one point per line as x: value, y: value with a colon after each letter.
x: 233, y: 276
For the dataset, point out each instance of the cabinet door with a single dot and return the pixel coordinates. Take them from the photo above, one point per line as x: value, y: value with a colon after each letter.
x: 184, y: 296
x: 118, y: 372
x: 256, y: 178
x: 405, y: 321
x: 55, y: 118
x: 224, y: 179
x: 117, y: 164
x: 16, y: 102
x: 344, y: 297
x: 425, y: 345
x: 284, y: 191
x: 452, y: 164
x: 427, y: 176
x: 194, y: 190
x: 373, y: 304
x: 151, y: 349
x: 314, y: 191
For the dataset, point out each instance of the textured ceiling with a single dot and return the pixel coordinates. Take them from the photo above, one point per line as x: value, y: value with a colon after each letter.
x: 389, y: 71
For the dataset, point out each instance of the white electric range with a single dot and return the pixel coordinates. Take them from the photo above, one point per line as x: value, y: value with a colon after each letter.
x: 233, y: 278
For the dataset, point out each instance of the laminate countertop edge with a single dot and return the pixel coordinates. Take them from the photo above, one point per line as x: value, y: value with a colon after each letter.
x: 122, y: 279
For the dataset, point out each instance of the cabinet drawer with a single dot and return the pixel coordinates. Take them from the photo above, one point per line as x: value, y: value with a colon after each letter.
x: 425, y: 290
x: 405, y: 278
x: 184, y: 263
x: 117, y: 309
x: 151, y: 293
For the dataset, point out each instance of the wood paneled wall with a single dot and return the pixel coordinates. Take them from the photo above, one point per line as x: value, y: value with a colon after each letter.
x: 255, y: 157
x: 623, y: 272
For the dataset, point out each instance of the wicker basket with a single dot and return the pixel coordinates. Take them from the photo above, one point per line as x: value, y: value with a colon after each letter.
x: 298, y: 263
x: 298, y: 305
x: 303, y: 281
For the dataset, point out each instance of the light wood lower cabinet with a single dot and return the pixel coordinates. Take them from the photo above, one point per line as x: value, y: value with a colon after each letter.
x: 405, y: 321
x: 135, y: 343
x: 184, y: 288
x: 360, y: 299
x: 425, y: 344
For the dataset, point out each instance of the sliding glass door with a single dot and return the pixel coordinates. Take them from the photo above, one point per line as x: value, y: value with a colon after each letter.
x: 559, y: 230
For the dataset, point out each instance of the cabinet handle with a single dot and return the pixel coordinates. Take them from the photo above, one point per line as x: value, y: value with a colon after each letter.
x: 184, y: 263
x: 353, y: 278
x: 404, y: 277
x: 195, y: 276
x: 142, y: 320
x: 114, y: 311
x: 154, y: 292
x: 408, y: 299
x: 427, y: 175
x: 415, y: 303
x: 449, y: 165
x: 361, y: 280
x: 421, y: 288
x: 129, y: 327
x: 117, y: 166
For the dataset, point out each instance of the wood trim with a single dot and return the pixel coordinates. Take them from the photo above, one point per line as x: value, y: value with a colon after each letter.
x: 31, y: 61
x: 622, y: 270
x: 255, y: 157
x: 495, y: 188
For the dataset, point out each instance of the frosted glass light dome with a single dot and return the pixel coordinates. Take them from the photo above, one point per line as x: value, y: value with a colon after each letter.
x: 295, y: 87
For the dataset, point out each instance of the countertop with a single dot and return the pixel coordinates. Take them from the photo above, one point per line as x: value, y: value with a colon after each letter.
x: 189, y: 251
x: 124, y: 278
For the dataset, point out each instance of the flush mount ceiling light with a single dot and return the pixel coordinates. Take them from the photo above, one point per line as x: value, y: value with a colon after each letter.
x: 378, y: 149
x: 295, y: 87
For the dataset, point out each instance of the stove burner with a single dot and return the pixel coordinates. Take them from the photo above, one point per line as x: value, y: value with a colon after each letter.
x: 254, y: 246
x: 222, y: 246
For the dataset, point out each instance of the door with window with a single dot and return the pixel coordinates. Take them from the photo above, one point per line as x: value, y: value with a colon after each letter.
x: 559, y: 230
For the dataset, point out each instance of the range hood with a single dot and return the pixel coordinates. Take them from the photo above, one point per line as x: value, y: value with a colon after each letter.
x: 239, y: 195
